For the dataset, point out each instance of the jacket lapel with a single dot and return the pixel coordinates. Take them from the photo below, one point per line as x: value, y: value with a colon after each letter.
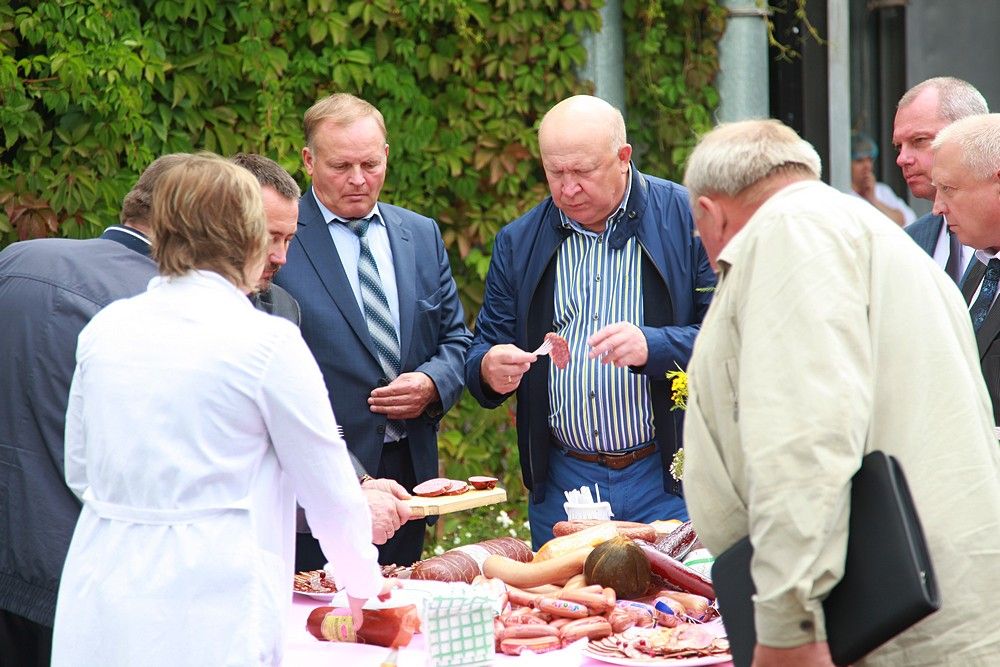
x: 323, y: 256
x: 405, y: 265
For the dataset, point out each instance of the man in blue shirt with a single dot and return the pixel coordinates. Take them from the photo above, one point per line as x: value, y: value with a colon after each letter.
x: 610, y: 262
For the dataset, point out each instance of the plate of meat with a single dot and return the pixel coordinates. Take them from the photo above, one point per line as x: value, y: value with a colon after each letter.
x: 315, y: 584
x: 686, y: 645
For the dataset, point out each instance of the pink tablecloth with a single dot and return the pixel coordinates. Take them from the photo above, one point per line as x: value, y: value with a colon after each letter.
x: 303, y: 650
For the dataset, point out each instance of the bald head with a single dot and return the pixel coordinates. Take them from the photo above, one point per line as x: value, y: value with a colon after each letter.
x: 586, y: 159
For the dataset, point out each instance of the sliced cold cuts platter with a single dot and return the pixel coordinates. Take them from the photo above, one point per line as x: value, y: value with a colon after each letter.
x: 684, y: 646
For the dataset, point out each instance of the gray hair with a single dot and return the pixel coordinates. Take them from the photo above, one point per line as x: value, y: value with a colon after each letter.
x: 956, y: 98
x: 736, y: 156
x: 269, y: 173
x: 978, y: 137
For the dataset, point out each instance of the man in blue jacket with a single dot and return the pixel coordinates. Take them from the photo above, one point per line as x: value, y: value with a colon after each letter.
x: 609, y: 262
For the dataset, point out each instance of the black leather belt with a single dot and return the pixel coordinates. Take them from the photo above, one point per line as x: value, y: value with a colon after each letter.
x: 613, y: 460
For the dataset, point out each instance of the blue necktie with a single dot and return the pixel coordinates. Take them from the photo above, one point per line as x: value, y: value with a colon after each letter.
x: 981, y: 308
x: 378, y: 316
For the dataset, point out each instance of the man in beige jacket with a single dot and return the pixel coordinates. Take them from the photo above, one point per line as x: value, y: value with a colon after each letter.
x: 831, y: 335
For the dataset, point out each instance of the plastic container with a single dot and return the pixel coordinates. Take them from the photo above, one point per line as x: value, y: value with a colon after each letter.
x: 578, y: 511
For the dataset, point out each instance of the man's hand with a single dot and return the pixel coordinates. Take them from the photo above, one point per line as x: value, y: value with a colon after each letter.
x: 621, y: 344
x: 503, y: 366
x: 388, y: 510
x: 406, y: 397
x: 816, y: 654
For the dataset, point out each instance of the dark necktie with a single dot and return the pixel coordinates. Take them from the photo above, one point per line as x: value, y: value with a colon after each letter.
x: 981, y: 308
x: 377, y: 315
x: 954, y: 265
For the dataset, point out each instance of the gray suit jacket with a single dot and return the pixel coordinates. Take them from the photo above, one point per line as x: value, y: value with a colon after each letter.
x: 433, y: 336
x: 49, y: 290
x: 926, y: 231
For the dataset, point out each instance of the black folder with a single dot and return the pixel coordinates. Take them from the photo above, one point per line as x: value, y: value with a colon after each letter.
x: 888, y: 583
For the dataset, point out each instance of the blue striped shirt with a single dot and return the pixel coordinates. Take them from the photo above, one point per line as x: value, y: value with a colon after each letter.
x: 595, y: 406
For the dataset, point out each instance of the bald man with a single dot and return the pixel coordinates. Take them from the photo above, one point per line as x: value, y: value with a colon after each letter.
x: 609, y: 262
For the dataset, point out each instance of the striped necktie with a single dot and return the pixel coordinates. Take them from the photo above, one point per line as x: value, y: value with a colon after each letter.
x: 981, y: 308
x: 377, y: 315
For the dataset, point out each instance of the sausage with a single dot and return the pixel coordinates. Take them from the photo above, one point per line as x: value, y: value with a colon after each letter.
x: 591, y: 627
x: 676, y: 573
x: 536, y: 644
x: 521, y: 598
x: 462, y: 564
x: 678, y: 542
x: 596, y: 603
x: 528, y: 631
x: 630, y: 529
x: 620, y: 620
x: 563, y: 608
x: 524, y: 616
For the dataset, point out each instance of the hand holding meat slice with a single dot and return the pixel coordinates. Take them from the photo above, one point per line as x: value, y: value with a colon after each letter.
x: 502, y: 367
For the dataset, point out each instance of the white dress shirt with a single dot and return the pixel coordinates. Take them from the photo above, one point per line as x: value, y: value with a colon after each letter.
x: 349, y: 248
x: 192, y: 420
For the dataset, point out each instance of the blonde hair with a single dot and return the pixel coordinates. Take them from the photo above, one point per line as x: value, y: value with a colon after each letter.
x: 207, y: 213
x: 735, y: 156
x: 343, y: 109
x: 978, y: 137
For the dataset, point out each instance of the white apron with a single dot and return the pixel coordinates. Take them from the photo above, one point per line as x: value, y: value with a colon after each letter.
x: 211, y: 595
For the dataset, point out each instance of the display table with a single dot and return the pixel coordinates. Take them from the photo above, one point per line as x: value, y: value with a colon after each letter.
x: 304, y: 650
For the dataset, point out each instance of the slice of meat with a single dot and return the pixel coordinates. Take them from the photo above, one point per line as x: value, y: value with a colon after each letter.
x: 482, y: 482
x: 433, y: 487
x: 457, y: 488
x: 560, y: 349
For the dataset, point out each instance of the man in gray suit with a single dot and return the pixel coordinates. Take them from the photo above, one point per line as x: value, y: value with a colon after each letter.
x: 49, y: 290
x: 923, y: 111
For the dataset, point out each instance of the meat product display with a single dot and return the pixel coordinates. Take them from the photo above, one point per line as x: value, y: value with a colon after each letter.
x: 464, y: 563
x: 630, y: 529
x: 560, y: 349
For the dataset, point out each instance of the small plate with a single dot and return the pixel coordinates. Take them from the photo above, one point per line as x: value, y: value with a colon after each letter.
x: 317, y: 596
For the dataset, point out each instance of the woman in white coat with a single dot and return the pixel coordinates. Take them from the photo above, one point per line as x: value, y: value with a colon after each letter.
x: 194, y: 422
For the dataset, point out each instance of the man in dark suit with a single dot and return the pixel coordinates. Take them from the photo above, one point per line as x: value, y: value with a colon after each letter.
x: 921, y: 113
x: 380, y: 310
x: 967, y: 175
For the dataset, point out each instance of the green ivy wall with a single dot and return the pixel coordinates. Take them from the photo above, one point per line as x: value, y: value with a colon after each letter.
x: 92, y: 91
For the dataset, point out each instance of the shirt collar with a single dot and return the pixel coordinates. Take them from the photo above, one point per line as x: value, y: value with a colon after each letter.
x: 569, y: 223
x: 329, y: 216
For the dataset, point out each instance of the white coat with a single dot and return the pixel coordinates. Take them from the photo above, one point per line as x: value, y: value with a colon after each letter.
x: 192, y: 417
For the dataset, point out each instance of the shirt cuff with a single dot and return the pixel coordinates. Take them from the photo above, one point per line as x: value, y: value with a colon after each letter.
x: 786, y: 623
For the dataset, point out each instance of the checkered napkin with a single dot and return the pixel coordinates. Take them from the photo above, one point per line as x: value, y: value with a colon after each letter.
x: 459, y: 629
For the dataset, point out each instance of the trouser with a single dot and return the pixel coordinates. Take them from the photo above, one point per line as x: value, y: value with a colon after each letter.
x: 23, y: 642
x: 635, y: 493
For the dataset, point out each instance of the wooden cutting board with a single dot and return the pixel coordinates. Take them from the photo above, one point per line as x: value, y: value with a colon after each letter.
x: 421, y: 506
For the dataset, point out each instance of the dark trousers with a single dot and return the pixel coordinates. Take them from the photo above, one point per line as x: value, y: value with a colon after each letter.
x: 405, y: 546
x: 24, y: 643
